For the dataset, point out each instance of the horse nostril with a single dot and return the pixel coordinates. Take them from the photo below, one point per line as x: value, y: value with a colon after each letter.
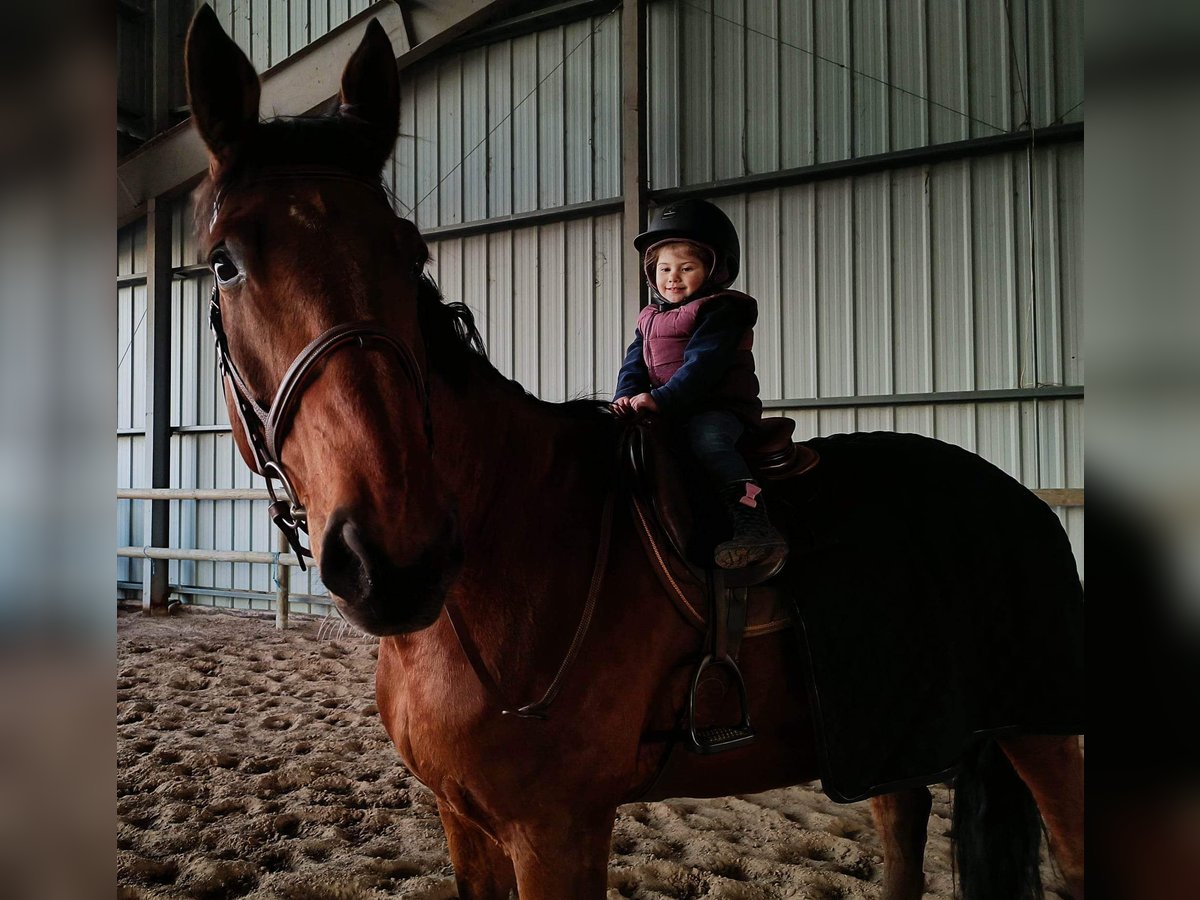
x: 345, y: 560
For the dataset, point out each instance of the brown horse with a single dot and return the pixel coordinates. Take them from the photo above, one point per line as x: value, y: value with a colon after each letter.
x: 427, y: 479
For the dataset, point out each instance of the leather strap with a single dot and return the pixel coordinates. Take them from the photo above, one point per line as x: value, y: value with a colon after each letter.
x: 737, y: 600
x: 291, y: 388
x: 538, y: 708
x: 718, y: 619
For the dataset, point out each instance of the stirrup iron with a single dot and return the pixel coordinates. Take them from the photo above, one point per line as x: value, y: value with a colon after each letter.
x: 718, y: 738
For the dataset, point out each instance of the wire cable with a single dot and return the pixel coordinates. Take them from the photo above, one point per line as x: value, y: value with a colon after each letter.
x: 121, y: 361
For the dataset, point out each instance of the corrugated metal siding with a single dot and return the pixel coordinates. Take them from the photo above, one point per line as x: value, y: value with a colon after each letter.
x: 917, y: 279
x: 525, y: 124
x: 742, y: 87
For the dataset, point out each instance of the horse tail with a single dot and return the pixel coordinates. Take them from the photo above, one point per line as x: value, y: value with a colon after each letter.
x: 997, y: 830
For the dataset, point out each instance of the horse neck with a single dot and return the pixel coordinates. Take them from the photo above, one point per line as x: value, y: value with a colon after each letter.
x: 513, y: 454
x: 528, y: 478
x: 530, y: 484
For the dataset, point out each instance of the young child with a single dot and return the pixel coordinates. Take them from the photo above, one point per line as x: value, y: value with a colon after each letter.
x: 691, y: 361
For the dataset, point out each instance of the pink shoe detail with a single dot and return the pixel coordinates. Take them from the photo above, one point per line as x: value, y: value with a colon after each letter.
x: 752, y: 491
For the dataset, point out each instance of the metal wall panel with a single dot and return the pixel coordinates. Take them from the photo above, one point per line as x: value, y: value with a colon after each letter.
x: 743, y: 87
x: 521, y: 125
x: 917, y: 279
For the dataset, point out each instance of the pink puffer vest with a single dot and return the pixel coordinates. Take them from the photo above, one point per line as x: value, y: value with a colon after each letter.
x: 665, y: 336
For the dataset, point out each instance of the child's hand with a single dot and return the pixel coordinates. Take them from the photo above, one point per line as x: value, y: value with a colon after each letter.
x: 643, y: 404
x: 623, y: 407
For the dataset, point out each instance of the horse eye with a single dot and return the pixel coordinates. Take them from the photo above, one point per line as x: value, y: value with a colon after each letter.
x: 223, y: 267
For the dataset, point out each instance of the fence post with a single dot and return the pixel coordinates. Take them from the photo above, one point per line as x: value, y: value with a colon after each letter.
x: 283, y: 582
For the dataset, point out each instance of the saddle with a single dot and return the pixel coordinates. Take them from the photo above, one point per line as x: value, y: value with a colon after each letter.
x: 727, y: 606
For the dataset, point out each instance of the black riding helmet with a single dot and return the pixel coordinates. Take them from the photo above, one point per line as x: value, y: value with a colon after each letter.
x: 701, y: 222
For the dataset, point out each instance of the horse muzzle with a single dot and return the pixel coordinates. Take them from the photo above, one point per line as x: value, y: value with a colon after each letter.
x: 377, y: 594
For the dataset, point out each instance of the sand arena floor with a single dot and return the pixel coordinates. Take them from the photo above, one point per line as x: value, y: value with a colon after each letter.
x: 252, y: 763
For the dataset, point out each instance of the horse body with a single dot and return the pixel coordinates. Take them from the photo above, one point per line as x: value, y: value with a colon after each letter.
x: 426, y: 478
x: 522, y: 590
x: 514, y: 792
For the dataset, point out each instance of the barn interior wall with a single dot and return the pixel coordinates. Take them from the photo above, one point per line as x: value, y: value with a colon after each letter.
x: 912, y: 280
x: 749, y: 87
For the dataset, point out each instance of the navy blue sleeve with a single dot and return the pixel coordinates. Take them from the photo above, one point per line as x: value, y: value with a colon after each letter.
x: 709, y: 354
x: 633, y: 377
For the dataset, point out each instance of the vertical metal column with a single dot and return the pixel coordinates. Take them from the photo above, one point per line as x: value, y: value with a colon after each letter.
x: 155, y: 587
x: 633, y: 148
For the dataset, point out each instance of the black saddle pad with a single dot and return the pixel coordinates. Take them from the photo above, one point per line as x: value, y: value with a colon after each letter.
x: 939, y: 603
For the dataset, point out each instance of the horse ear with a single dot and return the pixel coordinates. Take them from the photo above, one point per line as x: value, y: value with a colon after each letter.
x: 371, y: 89
x: 223, y: 88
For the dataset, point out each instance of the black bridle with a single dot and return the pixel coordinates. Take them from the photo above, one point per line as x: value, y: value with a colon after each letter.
x: 270, y: 425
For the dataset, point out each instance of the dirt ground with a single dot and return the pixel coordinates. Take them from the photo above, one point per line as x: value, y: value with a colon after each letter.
x: 252, y: 763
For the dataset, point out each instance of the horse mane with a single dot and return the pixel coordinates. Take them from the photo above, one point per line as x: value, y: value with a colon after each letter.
x: 456, y: 349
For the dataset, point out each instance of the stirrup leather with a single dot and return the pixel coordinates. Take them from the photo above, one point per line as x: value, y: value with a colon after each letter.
x: 727, y: 625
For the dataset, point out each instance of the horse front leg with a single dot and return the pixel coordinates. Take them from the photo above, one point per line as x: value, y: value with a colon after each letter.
x: 482, y: 870
x: 1052, y: 768
x: 563, y: 856
x: 901, y: 819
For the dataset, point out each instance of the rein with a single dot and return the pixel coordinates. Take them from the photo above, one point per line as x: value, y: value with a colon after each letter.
x: 538, y: 708
x: 270, y: 426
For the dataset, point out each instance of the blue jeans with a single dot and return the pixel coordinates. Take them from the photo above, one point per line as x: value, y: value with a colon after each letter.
x: 713, y: 437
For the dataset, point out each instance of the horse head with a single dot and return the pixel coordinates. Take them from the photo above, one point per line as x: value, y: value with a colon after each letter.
x: 315, y: 307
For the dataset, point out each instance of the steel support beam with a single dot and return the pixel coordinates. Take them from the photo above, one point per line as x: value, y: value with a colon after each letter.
x: 585, y: 210
x: 172, y: 162
x: 1000, y: 395
x: 865, y: 165
x: 633, y: 151
x: 155, y: 587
